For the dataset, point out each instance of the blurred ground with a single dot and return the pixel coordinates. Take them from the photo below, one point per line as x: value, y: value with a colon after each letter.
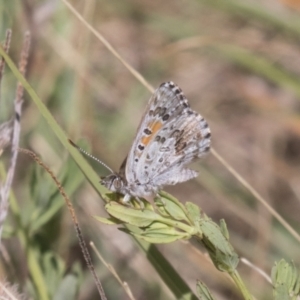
x: 238, y: 64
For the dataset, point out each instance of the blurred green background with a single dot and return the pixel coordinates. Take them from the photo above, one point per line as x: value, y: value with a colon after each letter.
x: 237, y: 62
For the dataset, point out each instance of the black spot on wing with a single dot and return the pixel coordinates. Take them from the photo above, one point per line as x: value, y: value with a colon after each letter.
x: 157, y: 138
x: 147, y: 131
x: 177, y: 90
x: 176, y: 134
x: 182, y: 98
x: 208, y: 135
x: 157, y: 111
x: 180, y: 147
x: 165, y: 117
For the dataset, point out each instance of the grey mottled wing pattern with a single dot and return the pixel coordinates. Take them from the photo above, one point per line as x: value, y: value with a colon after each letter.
x: 170, y: 136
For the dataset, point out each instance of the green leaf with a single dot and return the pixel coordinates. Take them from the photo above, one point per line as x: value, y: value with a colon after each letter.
x: 224, y: 230
x: 220, y: 250
x: 132, y: 216
x: 53, y: 269
x: 212, y: 232
x: 203, y: 292
x: 108, y: 221
x: 145, y: 218
x: 193, y: 211
x: 68, y: 288
x: 173, y: 207
x: 194, y: 214
x: 286, y: 281
x: 157, y: 226
x: 159, y: 233
x: 161, y: 238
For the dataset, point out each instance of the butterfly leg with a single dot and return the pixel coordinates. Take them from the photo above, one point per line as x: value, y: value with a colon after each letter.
x: 141, y: 203
x: 158, y: 199
x: 126, y: 199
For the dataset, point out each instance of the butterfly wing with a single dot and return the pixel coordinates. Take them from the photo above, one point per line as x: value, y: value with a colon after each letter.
x: 189, y: 142
x: 170, y: 136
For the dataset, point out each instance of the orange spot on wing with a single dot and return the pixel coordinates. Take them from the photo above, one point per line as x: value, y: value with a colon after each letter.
x: 154, y: 127
x: 146, y: 140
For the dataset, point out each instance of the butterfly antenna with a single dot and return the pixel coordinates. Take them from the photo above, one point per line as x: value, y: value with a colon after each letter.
x: 90, y: 155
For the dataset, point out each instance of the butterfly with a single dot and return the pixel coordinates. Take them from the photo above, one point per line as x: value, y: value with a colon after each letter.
x: 170, y: 136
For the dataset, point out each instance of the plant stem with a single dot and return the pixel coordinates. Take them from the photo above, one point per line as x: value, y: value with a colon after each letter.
x: 240, y: 284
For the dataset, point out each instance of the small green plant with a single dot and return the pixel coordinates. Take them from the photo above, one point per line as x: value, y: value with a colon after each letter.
x: 286, y: 281
x: 171, y: 220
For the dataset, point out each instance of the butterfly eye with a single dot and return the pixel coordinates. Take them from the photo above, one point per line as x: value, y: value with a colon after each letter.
x: 117, y: 183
